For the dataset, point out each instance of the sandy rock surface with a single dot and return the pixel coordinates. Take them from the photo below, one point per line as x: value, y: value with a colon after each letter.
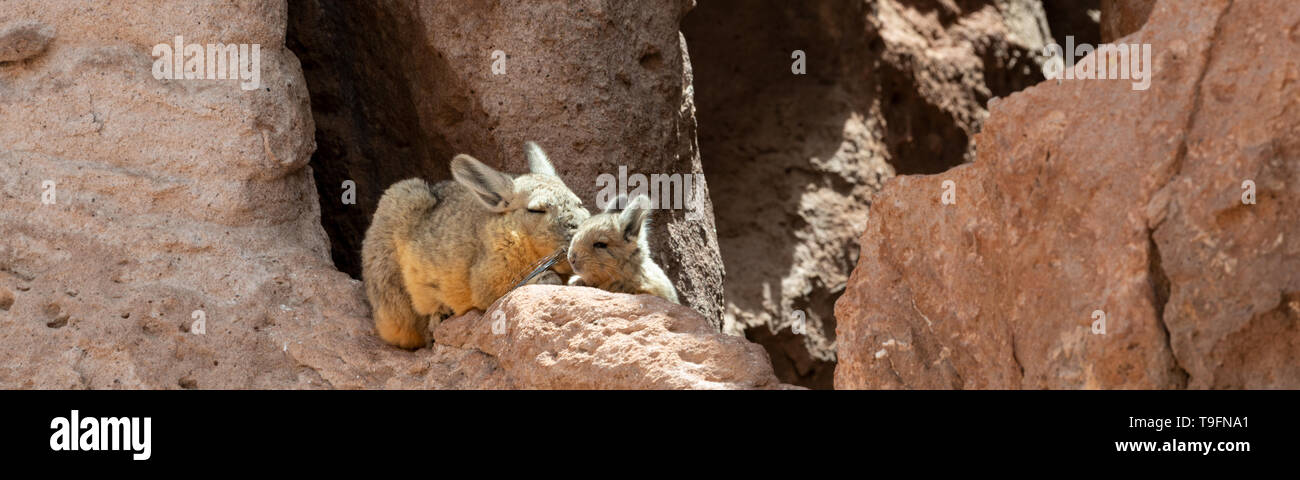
x: 584, y: 338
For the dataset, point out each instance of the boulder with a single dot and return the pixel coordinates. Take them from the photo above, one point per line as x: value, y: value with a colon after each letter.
x: 133, y: 206
x: 1089, y: 200
x: 557, y: 337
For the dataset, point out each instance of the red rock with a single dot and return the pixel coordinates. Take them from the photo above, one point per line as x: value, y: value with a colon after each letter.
x: 1088, y: 195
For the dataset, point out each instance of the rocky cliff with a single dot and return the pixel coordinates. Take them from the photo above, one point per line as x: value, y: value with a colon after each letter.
x: 164, y: 232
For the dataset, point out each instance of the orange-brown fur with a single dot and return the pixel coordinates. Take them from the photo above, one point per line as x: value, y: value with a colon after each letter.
x: 434, y: 250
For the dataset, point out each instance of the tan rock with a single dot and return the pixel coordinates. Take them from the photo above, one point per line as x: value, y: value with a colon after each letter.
x: 557, y: 337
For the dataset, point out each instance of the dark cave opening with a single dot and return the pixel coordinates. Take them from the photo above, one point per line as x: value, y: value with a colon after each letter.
x: 827, y: 138
x: 360, y: 60
x: 760, y: 126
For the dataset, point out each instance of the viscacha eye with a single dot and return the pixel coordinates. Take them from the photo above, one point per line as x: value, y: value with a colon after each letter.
x: 599, y: 245
x: 534, y: 210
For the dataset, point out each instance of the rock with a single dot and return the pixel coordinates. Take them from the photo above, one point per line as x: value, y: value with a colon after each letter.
x: 400, y: 87
x: 1122, y: 17
x: 1233, y: 268
x: 183, y: 247
x: 168, y: 234
x: 23, y: 39
x: 555, y: 337
x: 168, y: 205
x: 890, y: 87
x: 1089, y: 198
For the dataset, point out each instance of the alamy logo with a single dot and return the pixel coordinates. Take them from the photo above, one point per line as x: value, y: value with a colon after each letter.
x: 99, y: 434
x: 215, y: 62
x: 1106, y: 61
x: 666, y: 191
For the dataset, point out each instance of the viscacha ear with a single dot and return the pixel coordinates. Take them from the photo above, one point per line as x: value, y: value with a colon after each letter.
x: 494, y: 189
x: 634, y: 217
x: 537, y: 161
x: 615, y: 204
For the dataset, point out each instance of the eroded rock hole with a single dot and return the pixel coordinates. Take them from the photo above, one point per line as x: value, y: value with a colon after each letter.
x: 819, y: 145
x: 367, y: 69
x: 920, y: 137
x: 1076, y: 18
x: 1122, y: 17
x: 806, y: 143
